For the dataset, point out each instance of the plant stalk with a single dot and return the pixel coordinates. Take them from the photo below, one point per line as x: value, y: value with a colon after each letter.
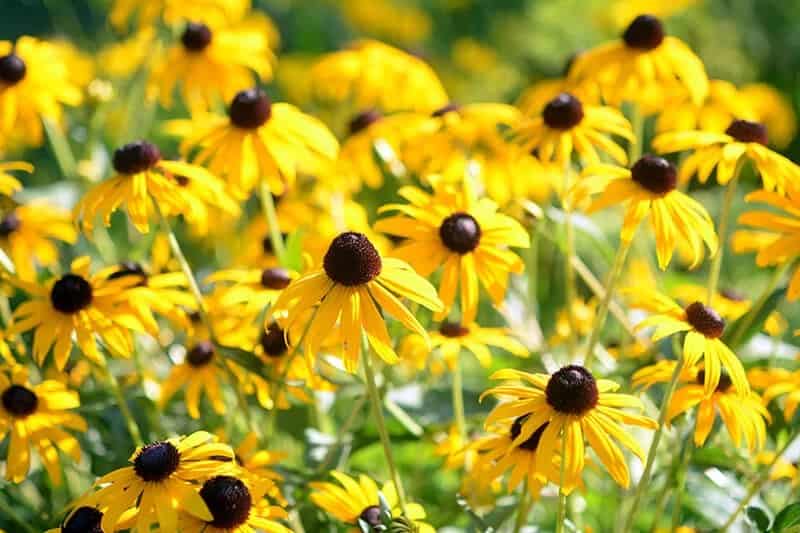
x: 724, y: 221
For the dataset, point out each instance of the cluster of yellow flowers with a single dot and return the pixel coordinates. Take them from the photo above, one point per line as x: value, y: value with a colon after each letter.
x: 389, y: 201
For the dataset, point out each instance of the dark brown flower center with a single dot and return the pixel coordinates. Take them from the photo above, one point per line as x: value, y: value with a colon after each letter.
x: 136, y: 157
x: 156, y: 462
x: 250, y: 109
x: 372, y: 516
x: 563, y: 112
x: 12, y: 68
x: 352, y: 260
x: 655, y: 174
x: 70, y: 294
x: 364, y: 120
x: 201, y: 354
x: 746, y: 131
x: 273, y: 341
x: 10, y: 223
x: 130, y: 268
x: 532, y: 442
x: 705, y: 320
x: 572, y: 390
x: 196, y: 36
x: 646, y: 32
x: 83, y: 520
x: 724, y: 380
x: 275, y: 278
x: 460, y: 233
x: 453, y: 329
x: 19, y: 401
x: 442, y: 111
x: 228, y: 500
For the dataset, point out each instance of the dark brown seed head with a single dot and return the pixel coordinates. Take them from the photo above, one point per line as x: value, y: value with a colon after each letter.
x: 19, y: 401
x: 655, y: 174
x: 156, y: 462
x: 372, y: 516
x: 746, y: 131
x: 10, y: 223
x: 352, y: 260
x: 201, y: 354
x: 646, y: 32
x: 460, y: 233
x: 136, y: 157
x: 724, y: 380
x: 275, y: 278
x: 563, y: 112
x: 250, y: 109
x: 12, y: 69
x: 196, y: 37
x: 229, y: 501
x: 453, y: 329
x: 70, y: 294
x: 533, y: 441
x: 83, y: 520
x: 705, y: 320
x: 273, y: 341
x: 572, y: 390
x: 364, y: 120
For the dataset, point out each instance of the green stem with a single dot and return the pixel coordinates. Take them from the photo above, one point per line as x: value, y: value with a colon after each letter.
x: 602, y: 310
x: 380, y: 421
x: 561, y: 512
x: 10, y: 512
x: 268, y: 206
x: 130, y: 421
x: 61, y: 150
x: 523, y: 508
x: 680, y: 481
x: 342, y: 431
x: 651, y: 454
x: 570, y: 282
x: 757, y: 484
x: 458, y: 400
x: 637, y: 125
x: 753, y: 312
x: 724, y: 221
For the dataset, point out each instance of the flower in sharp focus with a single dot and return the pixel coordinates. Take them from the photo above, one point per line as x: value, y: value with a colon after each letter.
x: 744, y: 415
x: 576, y: 406
x: 643, y: 59
x: 465, y: 236
x: 358, y: 500
x: 703, y: 327
x: 258, y: 140
x: 354, y: 284
x: 649, y: 188
x: 742, y: 140
x: 565, y: 125
x: 162, y: 480
x: 36, y: 416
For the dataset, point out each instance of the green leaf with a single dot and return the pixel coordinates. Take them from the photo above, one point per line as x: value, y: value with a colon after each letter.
x: 788, y: 519
x: 757, y: 517
x: 294, y: 250
x: 735, y: 338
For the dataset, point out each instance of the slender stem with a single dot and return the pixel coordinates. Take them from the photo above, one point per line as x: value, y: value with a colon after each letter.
x: 380, y: 421
x: 680, y: 481
x: 602, y: 310
x: 10, y: 512
x: 343, y: 430
x: 561, y: 513
x: 757, y: 484
x: 651, y: 454
x: 724, y: 220
x: 61, y: 150
x: 130, y: 421
x: 458, y: 400
x: 753, y: 312
x: 523, y: 508
x: 268, y: 206
x: 569, y: 290
x: 661, y: 504
x: 637, y: 125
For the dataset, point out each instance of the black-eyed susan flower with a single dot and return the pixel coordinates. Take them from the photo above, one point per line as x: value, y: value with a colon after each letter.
x: 35, y: 83
x: 164, y: 478
x: 703, y: 327
x: 258, y: 463
x: 250, y: 290
x: 36, y: 416
x: 174, y: 11
x: 565, y: 125
x: 649, y: 188
x: 354, y: 284
x: 355, y: 500
x: 773, y: 234
x: 774, y: 110
x: 237, y: 505
x: 210, y: 64
x: 643, y: 59
x: 142, y: 181
x: 29, y: 233
x: 743, y: 140
x: 88, y: 518
x: 198, y: 373
x: 463, y: 235
x: 77, y: 304
x: 730, y: 304
x: 723, y: 104
x: 786, y: 384
x: 576, y: 406
x: 258, y: 140
x: 744, y: 415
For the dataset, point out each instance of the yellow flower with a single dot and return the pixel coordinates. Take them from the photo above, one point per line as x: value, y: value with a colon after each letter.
x: 359, y: 500
x: 782, y: 382
x: 370, y: 74
x: 163, y: 479
x: 122, y: 59
x: 777, y: 231
x: 200, y: 372
x: 703, y: 327
x: 76, y: 304
x: 212, y: 63
x: 250, y: 290
x: 34, y: 83
x: 174, y: 11
x: 88, y: 518
x: 388, y: 19
x: 565, y: 125
x: 353, y: 281
x: 34, y: 415
x: 783, y: 469
x: 257, y: 463
x: 8, y: 183
x: 723, y: 104
x: 728, y: 303
x: 726, y: 151
x: 773, y: 110
x: 649, y: 187
x: 573, y: 405
x: 258, y: 140
x: 465, y: 236
x: 743, y: 414
x: 644, y: 59
x: 583, y: 312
